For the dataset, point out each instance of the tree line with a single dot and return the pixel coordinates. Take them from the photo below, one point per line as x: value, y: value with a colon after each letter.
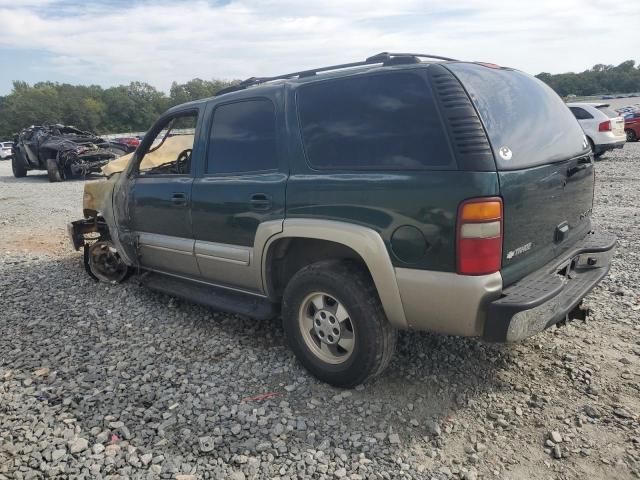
x: 125, y: 108
x: 599, y: 80
x: 134, y: 107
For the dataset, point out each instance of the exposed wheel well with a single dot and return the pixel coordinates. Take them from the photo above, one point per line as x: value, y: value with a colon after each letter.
x: 288, y: 255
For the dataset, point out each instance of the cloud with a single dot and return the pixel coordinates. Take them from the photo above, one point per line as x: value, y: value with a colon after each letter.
x: 159, y: 42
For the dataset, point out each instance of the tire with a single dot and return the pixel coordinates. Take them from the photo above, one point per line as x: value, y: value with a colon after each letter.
x: 373, y: 339
x: 631, y: 135
x: 598, y: 155
x: 53, y: 171
x: 18, y: 168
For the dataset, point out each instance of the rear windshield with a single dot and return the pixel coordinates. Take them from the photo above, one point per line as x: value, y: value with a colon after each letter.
x: 607, y: 111
x: 527, y: 122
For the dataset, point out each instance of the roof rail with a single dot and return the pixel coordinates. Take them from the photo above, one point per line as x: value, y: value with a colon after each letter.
x: 384, y: 58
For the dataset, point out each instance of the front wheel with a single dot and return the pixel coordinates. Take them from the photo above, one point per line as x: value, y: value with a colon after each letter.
x: 103, y: 263
x: 335, y: 324
x: 53, y: 170
x: 17, y: 167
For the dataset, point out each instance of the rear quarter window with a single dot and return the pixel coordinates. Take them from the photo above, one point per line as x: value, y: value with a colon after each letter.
x: 580, y: 113
x: 372, y: 122
x: 522, y: 116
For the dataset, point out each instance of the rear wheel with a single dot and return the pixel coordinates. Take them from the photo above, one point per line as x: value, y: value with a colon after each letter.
x: 18, y: 167
x: 631, y: 135
x: 53, y: 170
x: 335, y: 324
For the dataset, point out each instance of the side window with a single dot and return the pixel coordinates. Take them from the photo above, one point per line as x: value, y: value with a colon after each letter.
x: 580, y: 113
x: 170, y: 152
x: 373, y: 122
x: 243, y: 138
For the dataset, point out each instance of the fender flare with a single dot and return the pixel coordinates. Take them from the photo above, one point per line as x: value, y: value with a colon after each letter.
x: 366, y: 242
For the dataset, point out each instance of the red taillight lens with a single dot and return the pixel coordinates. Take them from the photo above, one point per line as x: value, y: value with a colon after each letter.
x: 605, y: 126
x: 479, y: 236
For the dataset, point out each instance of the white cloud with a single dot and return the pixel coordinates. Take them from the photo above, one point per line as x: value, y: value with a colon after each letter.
x: 161, y: 42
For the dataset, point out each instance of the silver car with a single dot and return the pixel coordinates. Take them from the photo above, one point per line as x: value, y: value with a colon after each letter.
x: 5, y: 150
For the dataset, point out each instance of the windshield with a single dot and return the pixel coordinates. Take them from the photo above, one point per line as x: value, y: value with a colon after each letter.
x: 526, y: 121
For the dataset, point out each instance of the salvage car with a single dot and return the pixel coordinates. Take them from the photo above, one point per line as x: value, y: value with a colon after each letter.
x: 405, y: 191
x: 63, y: 151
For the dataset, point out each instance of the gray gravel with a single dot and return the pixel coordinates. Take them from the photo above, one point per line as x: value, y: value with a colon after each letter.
x: 100, y: 381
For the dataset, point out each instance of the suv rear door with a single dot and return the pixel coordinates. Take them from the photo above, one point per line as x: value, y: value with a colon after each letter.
x: 239, y: 186
x: 544, y: 165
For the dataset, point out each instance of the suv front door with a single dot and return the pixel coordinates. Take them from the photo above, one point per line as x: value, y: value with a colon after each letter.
x: 159, y: 198
x: 240, y: 185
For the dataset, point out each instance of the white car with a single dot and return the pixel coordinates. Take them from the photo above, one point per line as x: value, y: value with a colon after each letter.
x: 603, y: 127
x: 5, y: 150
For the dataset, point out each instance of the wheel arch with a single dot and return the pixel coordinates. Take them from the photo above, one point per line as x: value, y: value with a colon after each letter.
x: 313, y: 240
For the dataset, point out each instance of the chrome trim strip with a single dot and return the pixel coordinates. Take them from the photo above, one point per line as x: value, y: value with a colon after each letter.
x: 223, y: 252
x: 165, y: 249
x: 166, y: 241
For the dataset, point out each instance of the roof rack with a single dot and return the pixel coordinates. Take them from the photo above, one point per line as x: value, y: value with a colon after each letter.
x: 385, y: 58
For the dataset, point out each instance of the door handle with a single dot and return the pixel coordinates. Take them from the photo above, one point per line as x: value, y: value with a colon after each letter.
x: 260, y: 201
x: 179, y: 199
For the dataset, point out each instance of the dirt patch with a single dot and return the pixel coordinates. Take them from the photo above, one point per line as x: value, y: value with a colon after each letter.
x: 51, y: 243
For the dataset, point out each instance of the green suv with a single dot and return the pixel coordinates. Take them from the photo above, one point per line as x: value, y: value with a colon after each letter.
x: 406, y: 191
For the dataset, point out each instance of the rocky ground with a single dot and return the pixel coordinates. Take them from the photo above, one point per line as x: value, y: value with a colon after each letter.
x: 101, y: 381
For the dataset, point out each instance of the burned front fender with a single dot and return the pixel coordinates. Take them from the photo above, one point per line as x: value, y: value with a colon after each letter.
x: 96, y: 204
x: 97, y: 197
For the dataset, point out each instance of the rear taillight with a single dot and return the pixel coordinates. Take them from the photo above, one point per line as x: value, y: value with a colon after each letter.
x: 605, y: 126
x: 479, y: 236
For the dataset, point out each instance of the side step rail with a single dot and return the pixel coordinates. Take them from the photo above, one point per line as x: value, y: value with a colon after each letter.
x: 219, y: 298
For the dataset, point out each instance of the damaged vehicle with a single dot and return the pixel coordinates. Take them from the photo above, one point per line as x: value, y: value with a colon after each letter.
x: 63, y: 151
x: 402, y: 192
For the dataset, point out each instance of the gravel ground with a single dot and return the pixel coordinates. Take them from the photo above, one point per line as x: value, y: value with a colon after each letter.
x: 100, y: 381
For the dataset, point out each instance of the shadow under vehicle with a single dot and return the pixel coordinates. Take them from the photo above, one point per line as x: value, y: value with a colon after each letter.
x: 63, y: 151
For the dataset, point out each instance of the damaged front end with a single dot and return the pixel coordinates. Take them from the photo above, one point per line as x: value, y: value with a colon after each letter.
x: 81, y: 160
x: 92, y: 234
x: 65, y: 151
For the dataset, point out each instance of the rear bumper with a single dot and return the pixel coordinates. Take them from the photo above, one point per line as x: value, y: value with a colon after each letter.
x: 548, y: 295
x: 604, y: 147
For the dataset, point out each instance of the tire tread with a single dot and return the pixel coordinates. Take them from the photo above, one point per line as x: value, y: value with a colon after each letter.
x: 354, y: 278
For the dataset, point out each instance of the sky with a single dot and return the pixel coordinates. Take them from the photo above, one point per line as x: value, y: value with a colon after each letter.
x: 114, y: 42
